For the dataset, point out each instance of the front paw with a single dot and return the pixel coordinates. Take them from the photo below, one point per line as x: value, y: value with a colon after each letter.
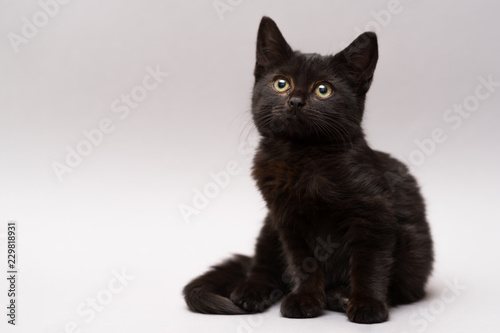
x: 302, y: 305
x: 367, y: 311
x: 254, y: 297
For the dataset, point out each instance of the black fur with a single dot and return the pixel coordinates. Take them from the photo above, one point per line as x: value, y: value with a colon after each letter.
x: 346, y: 228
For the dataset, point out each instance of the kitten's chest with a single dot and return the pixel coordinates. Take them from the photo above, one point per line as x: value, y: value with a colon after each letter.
x: 294, y: 180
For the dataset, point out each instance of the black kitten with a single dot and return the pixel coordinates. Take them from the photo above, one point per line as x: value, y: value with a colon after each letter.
x: 346, y: 228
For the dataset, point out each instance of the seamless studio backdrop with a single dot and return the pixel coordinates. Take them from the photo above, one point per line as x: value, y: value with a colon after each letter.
x: 126, y: 146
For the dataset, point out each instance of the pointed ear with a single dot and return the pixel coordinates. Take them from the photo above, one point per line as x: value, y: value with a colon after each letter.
x: 272, y: 48
x: 360, y: 58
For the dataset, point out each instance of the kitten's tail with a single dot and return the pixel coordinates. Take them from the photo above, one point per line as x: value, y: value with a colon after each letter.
x: 209, y: 293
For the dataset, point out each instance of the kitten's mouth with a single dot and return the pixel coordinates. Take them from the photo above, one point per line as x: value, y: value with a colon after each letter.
x: 292, y: 115
x: 292, y: 119
x: 293, y: 124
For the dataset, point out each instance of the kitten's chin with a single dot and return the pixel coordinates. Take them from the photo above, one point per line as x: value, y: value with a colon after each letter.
x: 289, y: 125
x: 299, y: 130
x: 293, y: 128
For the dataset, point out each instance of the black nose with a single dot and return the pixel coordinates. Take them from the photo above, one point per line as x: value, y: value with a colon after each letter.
x: 296, y: 102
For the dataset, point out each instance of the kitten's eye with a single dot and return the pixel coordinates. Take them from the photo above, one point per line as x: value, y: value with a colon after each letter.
x: 323, y: 90
x: 281, y: 85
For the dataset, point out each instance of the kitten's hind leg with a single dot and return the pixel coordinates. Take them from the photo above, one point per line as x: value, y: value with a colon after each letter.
x: 413, y: 265
x: 337, y: 298
x: 264, y: 285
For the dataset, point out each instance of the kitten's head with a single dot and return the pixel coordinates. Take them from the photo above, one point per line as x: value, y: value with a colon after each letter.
x: 309, y: 97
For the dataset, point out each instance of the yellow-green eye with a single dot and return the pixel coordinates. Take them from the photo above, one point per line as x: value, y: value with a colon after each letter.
x: 281, y: 85
x: 323, y: 90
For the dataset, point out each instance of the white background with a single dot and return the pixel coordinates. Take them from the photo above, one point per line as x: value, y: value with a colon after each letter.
x: 119, y: 208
